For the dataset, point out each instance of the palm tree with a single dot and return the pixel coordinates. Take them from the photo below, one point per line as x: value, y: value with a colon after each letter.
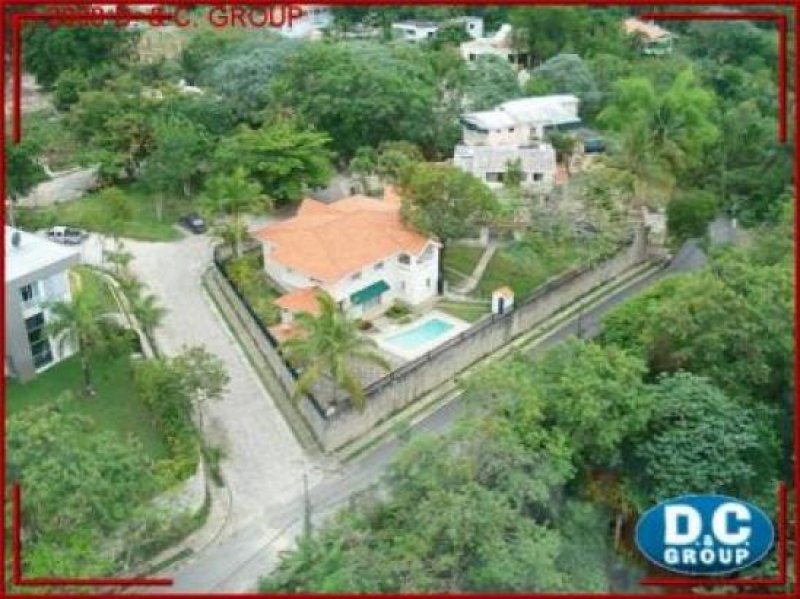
x: 80, y: 321
x: 648, y: 174
x: 148, y: 313
x: 329, y: 345
x: 233, y: 196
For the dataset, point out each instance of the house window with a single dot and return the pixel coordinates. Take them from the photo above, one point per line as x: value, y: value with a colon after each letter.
x: 538, y: 176
x: 28, y: 292
x: 494, y: 177
x: 379, y: 266
x: 356, y: 277
x: 472, y: 58
x: 38, y: 341
x: 404, y: 259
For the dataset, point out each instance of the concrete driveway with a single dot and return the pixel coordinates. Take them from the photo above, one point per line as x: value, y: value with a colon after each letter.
x: 263, y: 464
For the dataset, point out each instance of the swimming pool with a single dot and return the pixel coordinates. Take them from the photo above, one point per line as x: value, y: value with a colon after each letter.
x: 420, y: 335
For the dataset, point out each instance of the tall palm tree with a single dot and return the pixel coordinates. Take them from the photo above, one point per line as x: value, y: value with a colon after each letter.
x: 329, y: 345
x: 649, y: 176
x: 148, y: 313
x: 232, y: 196
x: 81, y: 323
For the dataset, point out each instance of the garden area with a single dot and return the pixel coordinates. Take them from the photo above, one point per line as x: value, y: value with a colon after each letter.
x: 115, y: 407
x: 129, y: 211
x: 459, y: 262
x: 247, y: 274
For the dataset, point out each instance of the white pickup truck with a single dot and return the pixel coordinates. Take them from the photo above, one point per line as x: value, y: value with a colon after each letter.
x: 66, y: 235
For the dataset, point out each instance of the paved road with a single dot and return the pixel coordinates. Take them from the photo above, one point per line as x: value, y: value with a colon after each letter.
x: 235, y: 564
x: 264, y: 464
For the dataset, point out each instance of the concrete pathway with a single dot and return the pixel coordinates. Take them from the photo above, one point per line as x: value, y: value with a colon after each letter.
x: 471, y: 282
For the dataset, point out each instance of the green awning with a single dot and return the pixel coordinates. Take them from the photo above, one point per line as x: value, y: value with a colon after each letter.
x: 369, y: 292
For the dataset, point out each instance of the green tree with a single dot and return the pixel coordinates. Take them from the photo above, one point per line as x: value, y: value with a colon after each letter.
x: 68, y: 87
x: 282, y: 157
x: 360, y: 94
x: 23, y: 171
x: 729, y: 322
x: 148, y: 313
x: 179, y: 155
x: 689, y: 213
x: 330, y: 345
x: 565, y: 74
x: 50, y: 51
x: 80, y: 323
x: 491, y: 81
x: 682, y: 453
x: 232, y: 196
x: 678, y: 122
x: 444, y: 201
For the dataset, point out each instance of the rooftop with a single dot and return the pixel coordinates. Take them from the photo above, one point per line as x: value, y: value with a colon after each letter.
x: 32, y: 254
x: 649, y: 30
x: 558, y: 109
x: 328, y: 241
x: 300, y: 300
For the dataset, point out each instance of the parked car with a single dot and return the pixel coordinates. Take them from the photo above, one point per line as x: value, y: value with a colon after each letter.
x: 194, y: 222
x: 67, y: 235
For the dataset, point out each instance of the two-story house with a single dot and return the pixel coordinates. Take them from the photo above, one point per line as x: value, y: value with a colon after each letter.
x: 36, y: 276
x: 357, y: 250
x: 516, y: 131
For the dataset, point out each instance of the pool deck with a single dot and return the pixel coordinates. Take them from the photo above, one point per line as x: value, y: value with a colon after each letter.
x: 390, y: 330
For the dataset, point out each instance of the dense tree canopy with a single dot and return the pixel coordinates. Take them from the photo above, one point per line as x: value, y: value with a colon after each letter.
x: 359, y: 93
x: 49, y: 51
x: 681, y: 453
x: 283, y: 157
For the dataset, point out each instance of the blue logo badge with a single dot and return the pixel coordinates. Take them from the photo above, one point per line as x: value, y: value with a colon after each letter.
x: 703, y: 535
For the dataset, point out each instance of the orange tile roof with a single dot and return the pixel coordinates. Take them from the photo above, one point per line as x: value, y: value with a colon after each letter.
x: 329, y: 241
x: 300, y: 300
x: 650, y: 30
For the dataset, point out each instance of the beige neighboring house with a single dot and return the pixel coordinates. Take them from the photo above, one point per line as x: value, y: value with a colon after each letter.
x: 655, y: 40
x: 499, y: 44
x: 516, y: 130
x: 357, y: 250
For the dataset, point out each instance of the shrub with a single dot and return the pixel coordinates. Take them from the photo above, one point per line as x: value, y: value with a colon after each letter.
x: 398, y: 309
x: 689, y: 213
x: 363, y: 325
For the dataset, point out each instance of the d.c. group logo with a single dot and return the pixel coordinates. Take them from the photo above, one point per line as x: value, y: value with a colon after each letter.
x: 702, y: 535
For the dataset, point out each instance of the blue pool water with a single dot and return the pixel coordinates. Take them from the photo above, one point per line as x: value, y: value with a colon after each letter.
x: 420, y: 335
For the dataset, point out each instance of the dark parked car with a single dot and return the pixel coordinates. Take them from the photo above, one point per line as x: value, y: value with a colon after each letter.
x: 194, y: 222
x: 66, y: 235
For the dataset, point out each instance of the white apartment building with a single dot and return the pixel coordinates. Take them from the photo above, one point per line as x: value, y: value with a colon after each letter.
x: 36, y: 275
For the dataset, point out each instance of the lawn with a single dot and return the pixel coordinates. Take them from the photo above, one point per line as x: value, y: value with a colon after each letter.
x: 91, y: 212
x: 527, y: 264
x: 115, y: 407
x: 466, y: 311
x: 460, y: 261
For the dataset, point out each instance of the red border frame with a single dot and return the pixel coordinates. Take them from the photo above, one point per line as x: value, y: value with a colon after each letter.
x: 782, y: 23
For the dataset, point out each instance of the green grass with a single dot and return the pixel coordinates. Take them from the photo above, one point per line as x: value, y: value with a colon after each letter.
x: 460, y: 261
x: 91, y: 212
x: 527, y: 264
x: 114, y: 408
x: 463, y: 310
